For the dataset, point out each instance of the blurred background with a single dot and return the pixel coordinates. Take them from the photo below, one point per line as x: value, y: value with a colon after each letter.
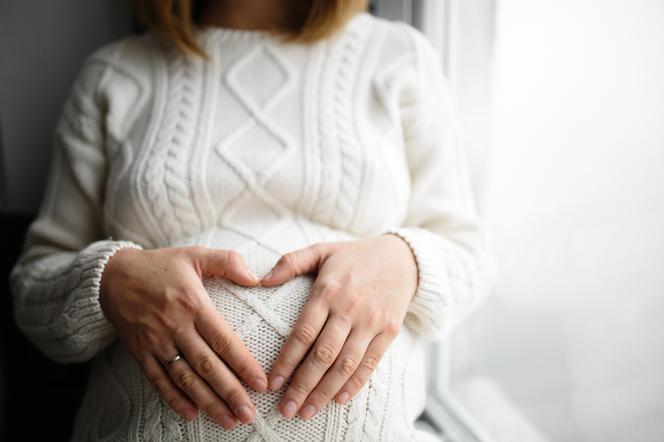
x: 562, y: 103
x: 574, y: 197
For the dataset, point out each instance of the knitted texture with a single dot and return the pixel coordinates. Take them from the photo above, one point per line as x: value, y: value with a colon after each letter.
x: 267, y: 148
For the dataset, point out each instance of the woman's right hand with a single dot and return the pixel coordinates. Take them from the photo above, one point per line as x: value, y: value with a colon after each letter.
x: 156, y: 301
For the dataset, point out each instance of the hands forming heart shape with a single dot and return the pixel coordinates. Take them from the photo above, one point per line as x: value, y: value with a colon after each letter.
x: 156, y: 301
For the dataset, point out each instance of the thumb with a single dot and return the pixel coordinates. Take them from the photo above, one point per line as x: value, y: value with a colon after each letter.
x: 298, y: 262
x: 227, y: 264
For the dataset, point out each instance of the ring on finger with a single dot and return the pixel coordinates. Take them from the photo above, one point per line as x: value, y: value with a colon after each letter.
x: 177, y: 357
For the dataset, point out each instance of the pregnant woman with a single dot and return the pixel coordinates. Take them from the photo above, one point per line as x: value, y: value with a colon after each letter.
x: 257, y: 214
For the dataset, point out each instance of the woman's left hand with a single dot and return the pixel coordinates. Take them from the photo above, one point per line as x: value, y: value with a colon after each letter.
x: 355, y: 310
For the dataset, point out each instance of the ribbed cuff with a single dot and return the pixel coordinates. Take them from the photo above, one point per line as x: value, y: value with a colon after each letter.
x: 89, y: 329
x: 425, y: 312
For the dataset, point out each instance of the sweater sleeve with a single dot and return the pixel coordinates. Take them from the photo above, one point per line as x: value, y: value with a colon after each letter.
x: 56, y: 280
x: 442, y: 228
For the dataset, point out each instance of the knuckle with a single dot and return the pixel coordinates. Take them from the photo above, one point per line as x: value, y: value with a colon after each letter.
x: 225, y: 257
x: 300, y: 388
x: 206, y: 366
x: 234, y: 395
x: 347, y: 366
x: 350, y: 279
x: 242, y: 366
x: 221, y: 343
x: 287, y: 360
x: 185, y: 379
x: 323, y: 247
x: 187, y: 254
x: 319, y: 396
x: 329, y: 289
x: 341, y: 320
x: 211, y: 407
x: 372, y: 317
x: 159, y: 384
x: 324, y: 354
x: 392, y: 327
x: 233, y: 258
x: 355, y: 382
x: 352, y: 303
x: 289, y: 259
x: 149, y: 338
x: 172, y: 402
x: 305, y: 334
x: 316, y: 248
x: 370, y: 363
x: 245, y: 369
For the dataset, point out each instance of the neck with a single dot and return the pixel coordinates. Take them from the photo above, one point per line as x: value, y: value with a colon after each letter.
x: 250, y: 14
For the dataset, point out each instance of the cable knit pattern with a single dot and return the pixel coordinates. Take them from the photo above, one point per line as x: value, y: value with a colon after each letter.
x: 173, y: 209
x: 349, y: 147
x: 266, y: 148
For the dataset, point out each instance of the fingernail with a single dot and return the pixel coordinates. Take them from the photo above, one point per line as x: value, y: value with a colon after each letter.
x: 260, y: 385
x: 228, y: 422
x: 343, y: 397
x: 308, y: 412
x: 276, y: 383
x: 243, y: 412
x: 289, y: 409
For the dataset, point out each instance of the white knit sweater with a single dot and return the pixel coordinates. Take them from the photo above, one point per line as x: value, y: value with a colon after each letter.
x: 267, y: 148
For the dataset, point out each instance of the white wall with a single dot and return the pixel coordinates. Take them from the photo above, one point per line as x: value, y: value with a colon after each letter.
x: 575, y: 201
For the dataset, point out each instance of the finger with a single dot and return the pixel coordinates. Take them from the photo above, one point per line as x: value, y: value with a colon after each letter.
x: 304, y: 334
x: 188, y: 381
x: 343, y: 368
x: 298, y: 262
x: 162, y: 383
x: 208, y: 367
x: 370, y: 361
x: 320, y: 358
x: 227, y: 264
x: 221, y: 338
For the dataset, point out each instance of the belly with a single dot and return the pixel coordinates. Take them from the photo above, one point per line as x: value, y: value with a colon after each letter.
x: 263, y: 318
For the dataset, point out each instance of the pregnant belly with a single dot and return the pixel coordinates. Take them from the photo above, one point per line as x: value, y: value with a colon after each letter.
x: 263, y: 318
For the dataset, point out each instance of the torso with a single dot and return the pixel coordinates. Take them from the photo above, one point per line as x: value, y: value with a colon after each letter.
x: 270, y: 129
x: 267, y: 148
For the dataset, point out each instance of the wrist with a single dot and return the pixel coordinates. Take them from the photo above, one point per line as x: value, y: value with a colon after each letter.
x: 113, y: 268
x: 408, y: 260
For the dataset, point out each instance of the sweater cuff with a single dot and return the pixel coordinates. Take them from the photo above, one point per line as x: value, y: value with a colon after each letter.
x: 424, y: 315
x: 90, y: 329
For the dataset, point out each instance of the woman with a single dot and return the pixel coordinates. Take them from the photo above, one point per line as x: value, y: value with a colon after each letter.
x: 235, y: 135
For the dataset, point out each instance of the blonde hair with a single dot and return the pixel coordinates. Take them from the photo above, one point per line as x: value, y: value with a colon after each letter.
x: 176, y: 20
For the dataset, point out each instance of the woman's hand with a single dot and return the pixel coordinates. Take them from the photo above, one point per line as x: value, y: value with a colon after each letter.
x: 157, y: 302
x: 356, y: 308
